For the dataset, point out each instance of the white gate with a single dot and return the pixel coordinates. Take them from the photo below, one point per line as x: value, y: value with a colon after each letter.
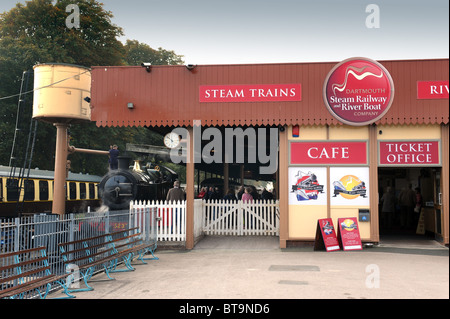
x: 171, y: 224
x: 237, y: 218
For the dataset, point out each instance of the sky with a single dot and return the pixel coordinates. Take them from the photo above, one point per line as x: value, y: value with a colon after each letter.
x: 283, y: 31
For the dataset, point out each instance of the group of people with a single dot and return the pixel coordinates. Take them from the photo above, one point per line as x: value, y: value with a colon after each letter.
x: 408, y: 206
x: 246, y: 194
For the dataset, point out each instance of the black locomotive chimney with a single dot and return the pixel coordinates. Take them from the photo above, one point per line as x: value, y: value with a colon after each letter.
x: 124, y: 162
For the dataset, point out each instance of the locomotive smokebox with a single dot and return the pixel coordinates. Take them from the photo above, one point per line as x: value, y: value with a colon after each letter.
x: 123, y: 162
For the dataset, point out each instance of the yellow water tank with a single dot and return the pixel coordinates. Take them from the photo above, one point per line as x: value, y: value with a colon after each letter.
x: 61, y: 93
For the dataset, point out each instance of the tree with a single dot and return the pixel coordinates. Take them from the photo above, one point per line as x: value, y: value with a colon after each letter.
x: 37, y: 32
x: 136, y: 53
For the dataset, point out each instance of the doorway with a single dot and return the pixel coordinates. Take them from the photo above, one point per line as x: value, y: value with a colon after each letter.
x: 396, y: 219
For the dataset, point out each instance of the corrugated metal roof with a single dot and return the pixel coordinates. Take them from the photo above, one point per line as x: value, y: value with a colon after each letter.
x: 169, y: 95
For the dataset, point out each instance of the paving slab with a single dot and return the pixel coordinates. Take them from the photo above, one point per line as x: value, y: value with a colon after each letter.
x: 255, y: 268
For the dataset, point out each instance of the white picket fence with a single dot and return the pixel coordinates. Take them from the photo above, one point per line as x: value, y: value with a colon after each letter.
x: 216, y: 217
x: 171, y: 218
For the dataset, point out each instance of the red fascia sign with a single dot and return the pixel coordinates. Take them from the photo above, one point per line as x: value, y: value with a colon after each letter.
x: 250, y: 93
x: 415, y: 153
x: 348, y: 234
x: 430, y: 90
x: 333, y: 153
x: 326, y: 236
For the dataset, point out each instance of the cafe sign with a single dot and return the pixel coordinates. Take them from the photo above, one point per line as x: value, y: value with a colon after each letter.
x: 358, y: 91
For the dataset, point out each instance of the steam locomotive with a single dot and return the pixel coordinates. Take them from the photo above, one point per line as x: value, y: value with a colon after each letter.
x: 150, y: 182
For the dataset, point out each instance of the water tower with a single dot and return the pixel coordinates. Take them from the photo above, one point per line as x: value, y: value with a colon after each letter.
x: 61, y: 97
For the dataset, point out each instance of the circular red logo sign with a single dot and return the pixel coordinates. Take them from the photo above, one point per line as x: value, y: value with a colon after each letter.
x: 358, y: 91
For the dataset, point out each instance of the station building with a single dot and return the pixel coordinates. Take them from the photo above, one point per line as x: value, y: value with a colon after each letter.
x: 347, y: 133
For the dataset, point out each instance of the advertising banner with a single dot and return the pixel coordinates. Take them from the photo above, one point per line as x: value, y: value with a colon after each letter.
x: 430, y: 90
x: 350, y: 186
x: 326, y: 236
x: 307, y: 186
x: 348, y: 234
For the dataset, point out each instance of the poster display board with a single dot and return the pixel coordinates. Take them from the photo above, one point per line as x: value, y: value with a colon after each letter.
x: 350, y: 186
x: 307, y: 186
x: 348, y: 233
x: 326, y: 236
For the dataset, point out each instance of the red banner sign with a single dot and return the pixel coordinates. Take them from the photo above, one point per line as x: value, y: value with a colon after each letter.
x: 326, y: 236
x: 348, y: 234
x: 432, y: 90
x: 415, y: 153
x: 358, y: 91
x: 336, y: 153
x: 250, y: 93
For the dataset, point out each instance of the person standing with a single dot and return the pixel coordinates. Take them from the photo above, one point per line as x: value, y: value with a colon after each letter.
x: 418, y: 207
x: 388, y: 207
x: 175, y: 193
x: 407, y: 201
x: 247, y: 196
x: 113, y: 155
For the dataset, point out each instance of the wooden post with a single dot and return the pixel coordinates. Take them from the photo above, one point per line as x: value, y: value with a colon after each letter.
x: 190, y: 172
x: 284, y: 189
x: 373, y: 182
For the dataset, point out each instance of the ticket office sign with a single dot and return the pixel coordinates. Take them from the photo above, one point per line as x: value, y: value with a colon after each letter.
x: 409, y: 153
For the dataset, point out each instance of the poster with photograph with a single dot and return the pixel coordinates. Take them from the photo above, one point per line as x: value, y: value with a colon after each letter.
x: 307, y: 186
x: 349, y: 186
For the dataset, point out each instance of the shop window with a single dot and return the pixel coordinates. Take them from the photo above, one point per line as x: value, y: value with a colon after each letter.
x: 28, y: 190
x: 82, y: 190
x: 43, y: 190
x: 72, y: 190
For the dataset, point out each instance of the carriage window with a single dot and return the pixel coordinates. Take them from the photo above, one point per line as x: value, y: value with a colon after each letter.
x: 72, y: 190
x: 1, y: 189
x: 82, y: 190
x: 43, y: 190
x: 29, y: 190
x: 12, y: 189
x: 91, y: 191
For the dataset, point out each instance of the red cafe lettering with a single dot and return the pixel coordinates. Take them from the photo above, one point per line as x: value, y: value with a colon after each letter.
x: 336, y: 153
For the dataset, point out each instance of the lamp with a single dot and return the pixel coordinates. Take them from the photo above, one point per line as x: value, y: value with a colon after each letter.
x: 146, y: 65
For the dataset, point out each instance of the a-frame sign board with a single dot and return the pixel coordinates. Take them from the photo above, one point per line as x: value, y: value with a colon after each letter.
x: 348, y: 234
x: 326, y: 236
